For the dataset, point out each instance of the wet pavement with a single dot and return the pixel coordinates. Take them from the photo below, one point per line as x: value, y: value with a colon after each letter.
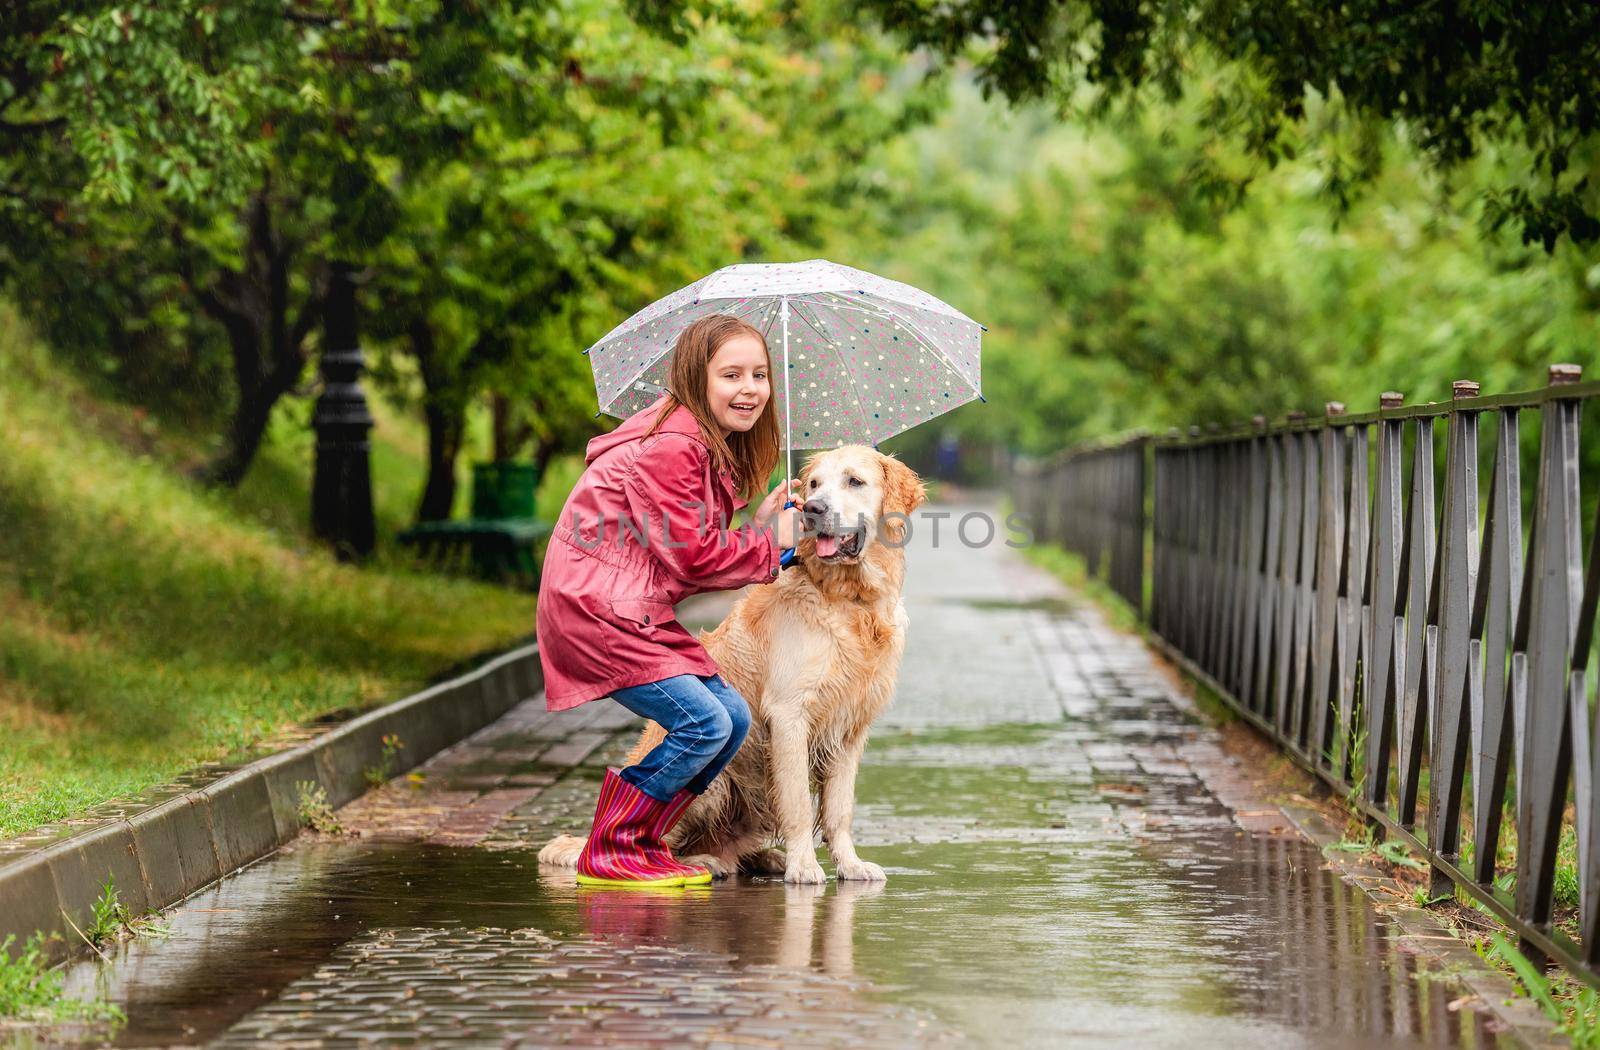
x: 1072, y: 858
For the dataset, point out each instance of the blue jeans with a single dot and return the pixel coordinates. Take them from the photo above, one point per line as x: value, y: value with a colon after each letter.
x: 706, y: 720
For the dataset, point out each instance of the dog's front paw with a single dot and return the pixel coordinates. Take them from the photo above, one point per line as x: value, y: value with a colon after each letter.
x: 804, y: 871
x: 769, y: 861
x: 859, y: 870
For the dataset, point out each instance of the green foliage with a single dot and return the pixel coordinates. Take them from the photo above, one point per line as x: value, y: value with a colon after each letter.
x: 379, y: 774
x: 110, y: 915
x: 1393, y: 851
x: 1575, y: 1007
x: 1565, y: 890
x: 744, y: 140
x: 314, y: 810
x: 1423, y: 899
x: 1533, y: 981
x: 1281, y: 79
x: 1358, y: 755
x: 511, y: 177
x: 1396, y: 852
x: 107, y: 102
x: 110, y: 920
x: 30, y: 991
x: 1118, y: 297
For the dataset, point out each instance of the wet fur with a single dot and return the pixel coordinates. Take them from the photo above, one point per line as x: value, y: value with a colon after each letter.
x: 816, y: 654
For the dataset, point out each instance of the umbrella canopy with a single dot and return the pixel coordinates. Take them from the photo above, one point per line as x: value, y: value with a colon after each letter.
x: 859, y: 357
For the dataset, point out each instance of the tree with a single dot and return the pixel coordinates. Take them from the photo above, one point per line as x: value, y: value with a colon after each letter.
x: 224, y: 153
x: 743, y: 141
x: 1457, y: 77
x: 388, y: 95
x: 513, y: 181
x: 110, y: 112
x: 1118, y: 296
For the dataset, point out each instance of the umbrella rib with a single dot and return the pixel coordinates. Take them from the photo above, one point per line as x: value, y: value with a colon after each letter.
x: 855, y: 385
x: 640, y: 372
x: 940, y: 359
x: 925, y: 341
x: 788, y: 409
x: 772, y: 315
x: 884, y: 311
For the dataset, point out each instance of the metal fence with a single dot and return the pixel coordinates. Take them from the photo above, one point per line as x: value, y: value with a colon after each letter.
x: 1397, y: 629
x: 1092, y: 501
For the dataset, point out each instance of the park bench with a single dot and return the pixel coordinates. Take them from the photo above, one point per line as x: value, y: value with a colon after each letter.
x: 502, y: 541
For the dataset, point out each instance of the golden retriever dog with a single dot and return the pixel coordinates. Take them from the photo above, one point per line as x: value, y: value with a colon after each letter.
x: 816, y: 655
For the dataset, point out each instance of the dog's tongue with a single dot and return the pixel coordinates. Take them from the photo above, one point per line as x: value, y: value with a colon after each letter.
x: 827, y: 546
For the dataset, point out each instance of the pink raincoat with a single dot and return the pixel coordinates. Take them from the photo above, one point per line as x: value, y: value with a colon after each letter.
x: 642, y: 530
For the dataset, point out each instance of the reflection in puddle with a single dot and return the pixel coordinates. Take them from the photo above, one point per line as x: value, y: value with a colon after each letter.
x: 1023, y: 909
x: 1059, y: 875
x: 432, y: 943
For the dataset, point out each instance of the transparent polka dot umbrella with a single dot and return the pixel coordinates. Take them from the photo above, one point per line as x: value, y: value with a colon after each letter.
x: 858, y: 357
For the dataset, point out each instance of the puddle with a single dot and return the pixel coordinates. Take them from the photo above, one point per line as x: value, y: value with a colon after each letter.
x: 1024, y: 908
x: 1058, y: 876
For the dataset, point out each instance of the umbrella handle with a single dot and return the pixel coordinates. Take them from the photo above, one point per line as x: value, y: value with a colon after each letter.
x: 787, y: 558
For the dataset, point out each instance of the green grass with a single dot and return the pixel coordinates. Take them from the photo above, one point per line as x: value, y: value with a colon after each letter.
x: 111, y: 920
x: 1073, y: 570
x: 31, y: 992
x: 277, y: 490
x: 1574, y: 1007
x: 147, y: 625
x: 313, y: 809
x: 110, y: 916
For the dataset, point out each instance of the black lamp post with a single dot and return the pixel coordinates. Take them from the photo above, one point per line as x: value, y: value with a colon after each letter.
x: 341, y: 491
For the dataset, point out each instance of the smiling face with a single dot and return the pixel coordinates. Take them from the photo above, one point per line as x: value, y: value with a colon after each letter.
x: 738, y: 383
x: 848, y: 492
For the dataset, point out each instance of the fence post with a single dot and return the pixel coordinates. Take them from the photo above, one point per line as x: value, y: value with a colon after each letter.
x: 1551, y: 596
x: 1450, y: 619
x: 1383, y: 587
x: 1322, y: 686
x: 1354, y: 639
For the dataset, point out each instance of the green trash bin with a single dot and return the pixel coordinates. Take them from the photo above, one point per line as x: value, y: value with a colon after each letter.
x: 504, y: 490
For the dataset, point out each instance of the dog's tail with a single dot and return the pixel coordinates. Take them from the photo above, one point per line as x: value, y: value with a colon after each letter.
x: 562, y: 851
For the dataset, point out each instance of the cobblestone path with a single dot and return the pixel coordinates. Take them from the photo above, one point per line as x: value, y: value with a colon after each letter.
x: 1073, y: 860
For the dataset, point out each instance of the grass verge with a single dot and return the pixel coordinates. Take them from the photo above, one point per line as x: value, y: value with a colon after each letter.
x: 148, y: 625
x: 1071, y: 569
x: 31, y: 991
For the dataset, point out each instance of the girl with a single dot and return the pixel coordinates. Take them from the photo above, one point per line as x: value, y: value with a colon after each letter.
x: 643, y: 529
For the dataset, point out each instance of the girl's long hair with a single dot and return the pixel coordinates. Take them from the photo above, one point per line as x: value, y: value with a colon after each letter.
x: 750, y: 454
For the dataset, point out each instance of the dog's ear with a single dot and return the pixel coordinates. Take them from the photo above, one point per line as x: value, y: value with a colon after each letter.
x: 902, y: 489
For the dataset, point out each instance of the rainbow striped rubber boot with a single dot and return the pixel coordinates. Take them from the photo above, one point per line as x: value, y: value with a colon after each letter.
x: 693, y: 875
x: 624, y: 848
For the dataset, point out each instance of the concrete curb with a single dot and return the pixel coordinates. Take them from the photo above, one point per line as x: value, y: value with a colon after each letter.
x: 160, y: 855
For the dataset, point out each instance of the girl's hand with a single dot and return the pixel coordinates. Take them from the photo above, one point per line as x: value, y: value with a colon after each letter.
x: 788, y: 524
x: 787, y: 532
x: 774, y: 501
